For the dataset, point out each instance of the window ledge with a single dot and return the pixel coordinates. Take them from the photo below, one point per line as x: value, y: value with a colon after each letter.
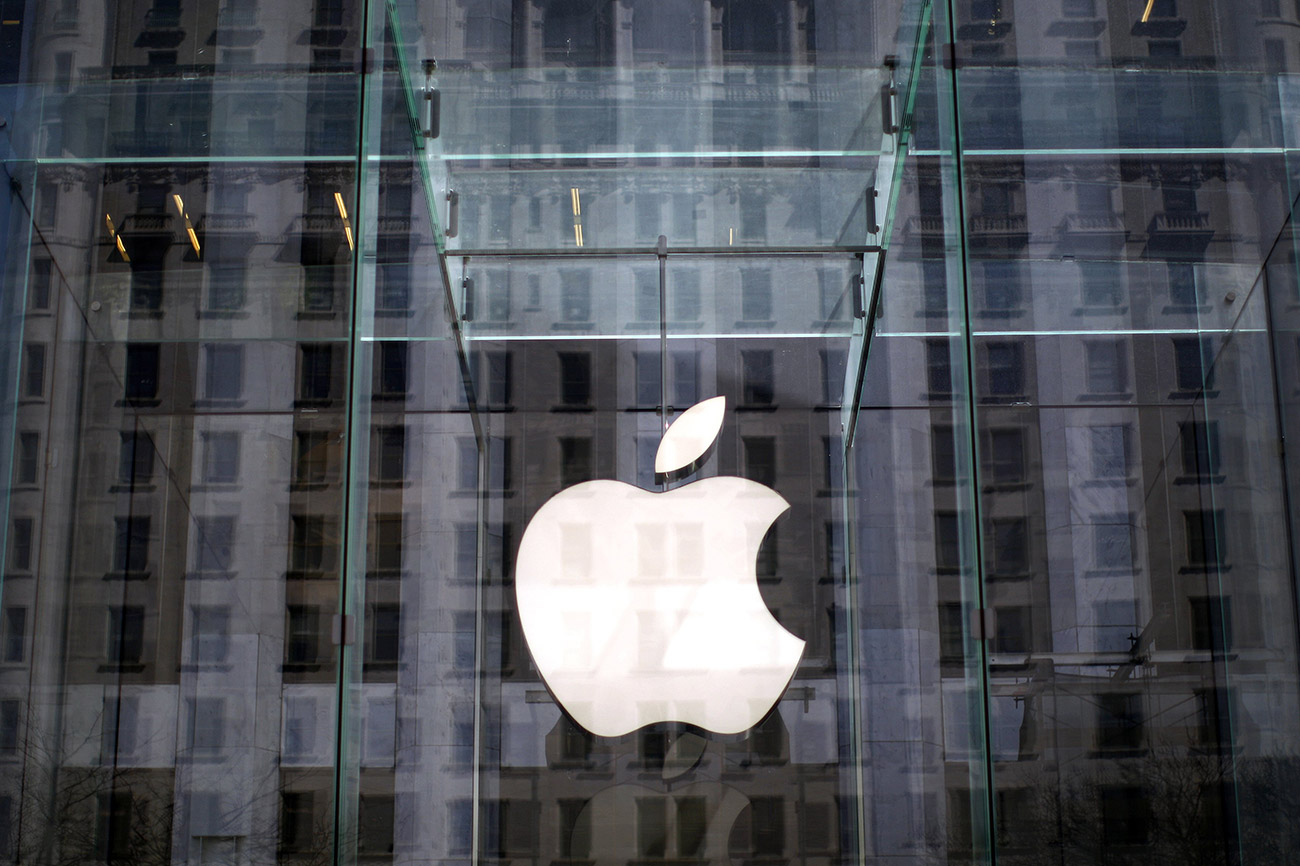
x: 127, y: 487
x: 121, y: 668
x: 1199, y: 479
x: 126, y: 575
x: 211, y: 575
x: 315, y: 315
x: 222, y: 314
x: 1205, y: 568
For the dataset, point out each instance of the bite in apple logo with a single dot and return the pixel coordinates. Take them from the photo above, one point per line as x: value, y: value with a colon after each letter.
x: 642, y: 607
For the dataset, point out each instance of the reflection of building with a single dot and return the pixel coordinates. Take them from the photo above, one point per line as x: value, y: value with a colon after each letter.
x: 214, y: 420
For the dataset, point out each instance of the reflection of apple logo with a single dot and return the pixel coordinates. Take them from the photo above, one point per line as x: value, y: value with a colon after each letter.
x: 643, y: 607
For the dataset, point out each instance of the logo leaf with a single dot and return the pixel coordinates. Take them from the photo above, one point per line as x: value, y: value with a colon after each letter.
x: 691, y: 436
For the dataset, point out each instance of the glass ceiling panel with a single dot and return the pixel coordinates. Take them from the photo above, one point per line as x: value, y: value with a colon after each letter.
x: 609, y: 158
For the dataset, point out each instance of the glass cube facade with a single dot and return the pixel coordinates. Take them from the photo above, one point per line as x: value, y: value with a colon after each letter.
x: 307, y: 309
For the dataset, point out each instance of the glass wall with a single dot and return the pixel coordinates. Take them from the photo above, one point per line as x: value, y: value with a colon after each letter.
x: 308, y: 311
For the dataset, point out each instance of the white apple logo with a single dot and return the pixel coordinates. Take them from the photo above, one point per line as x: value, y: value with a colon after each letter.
x: 643, y: 607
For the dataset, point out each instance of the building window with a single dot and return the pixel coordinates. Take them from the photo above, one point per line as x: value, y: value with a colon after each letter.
x: 299, y: 728
x: 214, y: 543
x: 1112, y: 542
x: 135, y: 458
x: 833, y: 370
x: 1013, y: 631
x: 220, y: 457
x: 943, y: 455
x: 1101, y: 284
x: 684, y: 295
x: 646, y: 298
x: 575, y: 296
x: 760, y: 459
x: 375, y: 824
x: 316, y: 373
x: 10, y: 716
x: 385, y: 633
x: 390, y: 454
x: 210, y: 638
x: 147, y: 280
x: 1009, y: 546
x: 131, y: 544
x: 1193, y: 364
x: 40, y: 284
x: 651, y: 827
x: 492, y: 373
x: 297, y: 820
x: 1109, y: 452
x: 302, y: 636
x: 224, y: 374
x: 314, y: 543
x: 757, y: 372
x: 15, y: 634
x: 1200, y: 447
x: 125, y: 644
x: 753, y: 217
x: 1106, y: 366
x: 1211, y: 623
x: 938, y: 368
x: 467, y: 463
x: 1120, y: 722
x: 315, y: 459
x: 141, y: 375
x: 947, y: 541
x: 34, y: 371
x: 1004, y: 456
x: 1006, y: 369
x: 28, y: 470
x: 391, y: 370
x: 1116, y: 625
x: 1274, y: 55
x: 114, y: 822
x: 1183, y: 288
x: 755, y: 295
x: 1002, y: 295
x: 226, y: 281
x: 1270, y: 8
x: 648, y: 377
x: 575, y: 460
x: 767, y: 827
x: 386, y: 546
x: 121, y: 721
x: 1206, y: 545
x: 575, y: 378
x: 20, y: 544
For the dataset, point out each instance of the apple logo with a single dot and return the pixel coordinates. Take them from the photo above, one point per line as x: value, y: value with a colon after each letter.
x: 641, y: 607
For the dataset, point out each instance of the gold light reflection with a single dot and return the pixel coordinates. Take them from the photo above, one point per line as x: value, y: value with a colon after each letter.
x: 343, y: 215
x: 117, y: 239
x: 1146, y: 13
x: 576, y: 200
x: 189, y: 228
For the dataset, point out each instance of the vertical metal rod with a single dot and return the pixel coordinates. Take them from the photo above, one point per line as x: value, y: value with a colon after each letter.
x: 661, y: 250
